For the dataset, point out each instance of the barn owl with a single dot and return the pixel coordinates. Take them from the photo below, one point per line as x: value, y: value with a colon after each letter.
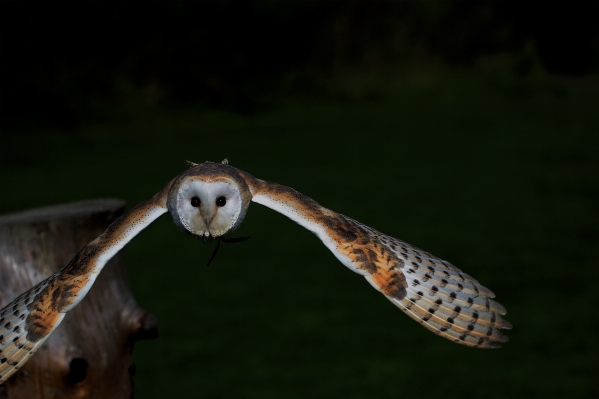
x: 209, y: 200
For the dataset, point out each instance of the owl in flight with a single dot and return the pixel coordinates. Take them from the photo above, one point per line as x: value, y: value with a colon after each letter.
x: 209, y: 200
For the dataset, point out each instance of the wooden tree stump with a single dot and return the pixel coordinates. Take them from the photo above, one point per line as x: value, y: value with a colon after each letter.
x: 89, y: 354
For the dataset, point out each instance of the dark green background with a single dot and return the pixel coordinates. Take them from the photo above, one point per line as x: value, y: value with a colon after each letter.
x: 478, y: 162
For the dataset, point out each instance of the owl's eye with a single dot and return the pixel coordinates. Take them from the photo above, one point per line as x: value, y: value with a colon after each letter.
x: 195, y: 202
x: 221, y: 201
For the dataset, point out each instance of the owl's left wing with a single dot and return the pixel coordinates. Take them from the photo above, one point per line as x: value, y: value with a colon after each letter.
x: 430, y: 290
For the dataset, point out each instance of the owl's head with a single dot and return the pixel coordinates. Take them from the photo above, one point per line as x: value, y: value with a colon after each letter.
x: 209, y: 200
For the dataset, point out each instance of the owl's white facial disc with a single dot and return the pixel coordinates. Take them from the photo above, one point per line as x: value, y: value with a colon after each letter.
x: 209, y: 208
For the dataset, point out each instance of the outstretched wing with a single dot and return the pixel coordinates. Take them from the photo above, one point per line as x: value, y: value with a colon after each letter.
x: 28, y: 320
x: 19, y: 337
x: 441, y: 297
x: 430, y: 290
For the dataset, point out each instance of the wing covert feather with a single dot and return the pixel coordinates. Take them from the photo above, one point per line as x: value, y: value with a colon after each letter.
x: 428, y: 289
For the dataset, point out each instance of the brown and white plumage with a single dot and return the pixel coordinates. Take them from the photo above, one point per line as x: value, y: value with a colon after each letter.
x: 209, y: 200
x: 27, y: 321
x: 430, y: 290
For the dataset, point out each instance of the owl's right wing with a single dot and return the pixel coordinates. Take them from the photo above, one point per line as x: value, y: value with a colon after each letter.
x: 17, y: 343
x: 430, y: 290
x: 28, y: 320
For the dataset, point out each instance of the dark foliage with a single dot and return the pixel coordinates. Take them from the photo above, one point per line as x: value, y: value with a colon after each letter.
x: 66, y: 62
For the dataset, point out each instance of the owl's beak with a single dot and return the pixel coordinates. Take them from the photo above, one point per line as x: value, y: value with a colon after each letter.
x: 207, y: 212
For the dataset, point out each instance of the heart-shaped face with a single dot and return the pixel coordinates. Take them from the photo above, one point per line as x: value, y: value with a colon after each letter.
x: 209, y: 200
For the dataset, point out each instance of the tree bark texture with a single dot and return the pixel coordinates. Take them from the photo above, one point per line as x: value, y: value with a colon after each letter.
x: 89, y: 354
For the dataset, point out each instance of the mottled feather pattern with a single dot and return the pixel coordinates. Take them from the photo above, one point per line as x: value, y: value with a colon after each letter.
x: 430, y: 290
x: 29, y: 319
x: 443, y: 298
x: 18, y: 341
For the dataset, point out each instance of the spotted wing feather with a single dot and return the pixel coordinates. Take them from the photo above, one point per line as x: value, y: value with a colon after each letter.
x: 430, y: 290
x: 443, y: 298
x: 25, y: 324
x: 28, y: 320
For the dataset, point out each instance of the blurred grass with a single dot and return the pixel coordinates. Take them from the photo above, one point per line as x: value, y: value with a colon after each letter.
x: 499, y: 176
